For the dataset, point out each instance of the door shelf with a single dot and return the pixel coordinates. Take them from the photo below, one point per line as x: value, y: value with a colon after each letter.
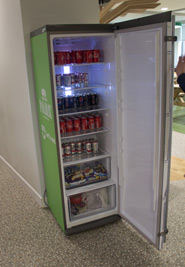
x: 83, y: 158
x: 74, y: 111
x: 81, y: 64
x: 90, y: 86
x: 83, y: 133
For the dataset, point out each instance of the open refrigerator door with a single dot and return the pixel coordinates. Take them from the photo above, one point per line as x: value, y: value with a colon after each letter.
x: 144, y: 132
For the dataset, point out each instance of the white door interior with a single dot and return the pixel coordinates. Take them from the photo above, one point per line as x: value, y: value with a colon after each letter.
x: 141, y: 117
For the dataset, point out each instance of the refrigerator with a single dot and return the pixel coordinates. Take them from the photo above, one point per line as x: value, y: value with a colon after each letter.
x: 104, y: 105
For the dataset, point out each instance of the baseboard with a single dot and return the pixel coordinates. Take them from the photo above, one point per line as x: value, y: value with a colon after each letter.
x: 38, y: 198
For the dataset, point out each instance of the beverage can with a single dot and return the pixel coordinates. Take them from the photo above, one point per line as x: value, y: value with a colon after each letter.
x: 91, y: 122
x: 67, y: 151
x: 93, y: 99
x: 84, y: 123
x: 68, y: 57
x: 63, y: 151
x: 96, y: 55
x: 67, y: 80
x: 62, y: 127
x: 60, y: 101
x: 61, y: 58
x: 73, y: 148
x: 83, y: 145
x: 84, y: 56
x: 79, y: 147
x: 58, y: 80
x: 56, y: 57
x: 89, y: 56
x: 78, y: 57
x: 69, y: 126
x: 72, y: 80
x: 88, y: 148
x: 85, y: 80
x: 95, y: 146
x: 98, y: 121
x: 79, y: 101
x: 77, y: 127
x: 73, y: 57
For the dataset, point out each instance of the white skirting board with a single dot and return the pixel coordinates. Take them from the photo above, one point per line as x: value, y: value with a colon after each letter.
x: 38, y: 198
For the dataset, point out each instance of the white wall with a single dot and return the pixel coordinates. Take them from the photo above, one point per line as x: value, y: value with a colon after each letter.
x: 17, y: 144
x: 19, y: 138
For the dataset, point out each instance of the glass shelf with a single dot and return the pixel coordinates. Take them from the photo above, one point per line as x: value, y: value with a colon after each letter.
x: 90, y: 86
x: 81, y: 64
x: 83, y: 158
x: 83, y: 133
x: 73, y: 111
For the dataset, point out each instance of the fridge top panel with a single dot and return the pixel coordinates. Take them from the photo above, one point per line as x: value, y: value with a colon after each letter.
x: 74, y: 28
x: 159, y: 18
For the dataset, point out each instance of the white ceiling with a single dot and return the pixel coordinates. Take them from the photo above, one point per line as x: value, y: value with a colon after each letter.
x: 170, y: 4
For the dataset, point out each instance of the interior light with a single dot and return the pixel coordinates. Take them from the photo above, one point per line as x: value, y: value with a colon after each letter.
x: 164, y: 8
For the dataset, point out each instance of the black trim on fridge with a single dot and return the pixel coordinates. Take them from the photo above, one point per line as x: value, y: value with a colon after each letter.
x: 154, y: 19
x: 94, y: 224
x: 74, y: 28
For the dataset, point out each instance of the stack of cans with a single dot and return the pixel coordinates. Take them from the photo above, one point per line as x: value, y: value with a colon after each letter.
x: 73, y: 80
x: 77, y: 101
x: 80, y: 123
x: 76, y: 57
x: 88, y: 146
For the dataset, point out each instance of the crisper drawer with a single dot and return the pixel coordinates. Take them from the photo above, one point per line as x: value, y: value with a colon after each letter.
x: 87, y: 172
x: 92, y: 202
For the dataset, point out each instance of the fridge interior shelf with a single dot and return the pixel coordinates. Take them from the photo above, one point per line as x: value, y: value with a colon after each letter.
x: 90, y: 86
x: 83, y: 133
x: 90, y: 187
x: 73, y: 111
x: 92, y: 202
x: 81, y: 64
x: 83, y: 158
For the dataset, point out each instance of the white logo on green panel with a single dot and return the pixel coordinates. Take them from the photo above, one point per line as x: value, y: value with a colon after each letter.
x: 45, y: 108
x: 45, y: 135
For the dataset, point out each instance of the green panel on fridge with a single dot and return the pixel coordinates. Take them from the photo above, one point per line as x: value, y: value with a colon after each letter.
x: 47, y: 125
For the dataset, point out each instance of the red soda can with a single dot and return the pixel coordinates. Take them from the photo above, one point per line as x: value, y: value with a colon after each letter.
x: 56, y: 58
x: 78, y: 57
x: 96, y: 55
x: 84, y: 56
x: 61, y: 58
x: 68, y: 57
x: 89, y: 56
x: 77, y: 125
x: 73, y: 57
x: 84, y: 123
x: 91, y: 122
x: 98, y: 121
x: 69, y: 126
x: 62, y: 127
